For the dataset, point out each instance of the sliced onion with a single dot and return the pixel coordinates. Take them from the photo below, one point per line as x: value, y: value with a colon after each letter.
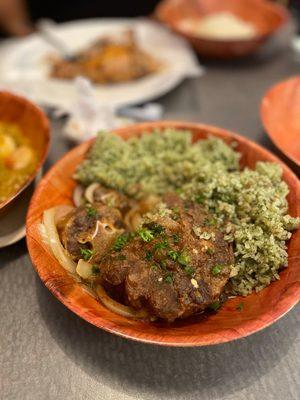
x: 55, y: 243
x: 61, y: 212
x: 130, y: 215
x: 88, y: 289
x: 89, y: 192
x: 78, y: 195
x: 116, y: 307
x: 43, y: 234
x: 84, y: 269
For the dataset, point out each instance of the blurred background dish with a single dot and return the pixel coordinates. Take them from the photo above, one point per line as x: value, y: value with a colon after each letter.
x: 27, y: 65
x: 280, y: 114
x: 107, y: 60
x: 12, y: 221
x: 223, y: 29
x: 24, y: 142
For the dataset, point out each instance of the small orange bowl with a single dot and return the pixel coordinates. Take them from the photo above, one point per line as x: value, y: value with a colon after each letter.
x: 260, y: 309
x: 33, y: 124
x: 280, y: 114
x: 266, y: 17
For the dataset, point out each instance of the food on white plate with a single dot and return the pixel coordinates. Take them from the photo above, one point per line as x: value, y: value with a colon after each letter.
x: 108, y: 60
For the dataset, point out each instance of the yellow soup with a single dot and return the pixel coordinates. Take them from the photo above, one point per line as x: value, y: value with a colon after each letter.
x: 17, y: 159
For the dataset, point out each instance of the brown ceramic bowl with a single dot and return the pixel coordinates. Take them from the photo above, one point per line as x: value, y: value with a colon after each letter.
x: 33, y: 124
x: 267, y: 18
x: 260, y: 310
x: 280, y: 114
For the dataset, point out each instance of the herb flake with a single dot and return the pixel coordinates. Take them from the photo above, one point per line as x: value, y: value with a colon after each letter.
x: 121, y: 241
x: 169, y: 278
x: 95, y: 269
x: 91, y: 211
x: 215, y: 306
x: 86, y: 253
x: 217, y: 269
x: 146, y: 235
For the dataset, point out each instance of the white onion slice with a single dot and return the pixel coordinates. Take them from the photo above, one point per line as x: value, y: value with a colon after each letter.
x: 61, y: 212
x: 116, y: 307
x: 78, y: 195
x: 89, y: 192
x: 84, y: 269
x: 55, y: 243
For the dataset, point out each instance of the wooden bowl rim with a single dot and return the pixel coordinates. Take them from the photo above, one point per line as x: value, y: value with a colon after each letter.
x: 46, y: 132
x: 269, y: 131
x: 127, y: 332
x: 277, y: 9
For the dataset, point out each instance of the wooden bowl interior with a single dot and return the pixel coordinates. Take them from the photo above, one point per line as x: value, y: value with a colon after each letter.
x: 280, y: 113
x: 33, y: 124
x: 260, y: 309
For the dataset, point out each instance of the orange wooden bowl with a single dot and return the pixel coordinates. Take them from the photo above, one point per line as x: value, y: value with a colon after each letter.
x: 260, y: 310
x: 33, y: 123
x: 280, y: 114
x: 266, y: 17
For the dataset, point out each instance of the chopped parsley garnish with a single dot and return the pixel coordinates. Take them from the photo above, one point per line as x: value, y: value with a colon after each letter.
x: 240, y: 307
x: 121, y: 241
x: 95, y: 269
x: 150, y: 230
x: 161, y: 245
x: 86, y: 253
x: 163, y: 264
x: 210, y: 250
x: 149, y: 255
x: 184, y: 259
x: 173, y: 255
x: 200, y: 199
x: 155, y: 228
x: 175, y: 238
x: 146, y: 235
x: 215, y: 305
x: 91, y: 211
x: 217, y: 269
x: 154, y: 267
x: 169, y: 278
x: 189, y: 270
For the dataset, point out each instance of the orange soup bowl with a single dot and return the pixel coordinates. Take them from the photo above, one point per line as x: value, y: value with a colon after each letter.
x: 265, y: 16
x: 34, y: 125
x: 260, y: 309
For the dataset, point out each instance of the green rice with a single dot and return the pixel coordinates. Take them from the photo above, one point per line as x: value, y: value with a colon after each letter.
x: 250, y: 206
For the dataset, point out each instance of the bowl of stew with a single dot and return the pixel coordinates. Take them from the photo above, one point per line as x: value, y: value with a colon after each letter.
x: 24, y: 143
x: 101, y: 246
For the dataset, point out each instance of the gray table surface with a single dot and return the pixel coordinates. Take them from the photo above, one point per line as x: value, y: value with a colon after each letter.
x: 46, y: 352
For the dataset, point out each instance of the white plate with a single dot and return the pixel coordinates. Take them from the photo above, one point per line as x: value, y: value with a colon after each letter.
x: 12, y: 221
x: 26, y: 69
